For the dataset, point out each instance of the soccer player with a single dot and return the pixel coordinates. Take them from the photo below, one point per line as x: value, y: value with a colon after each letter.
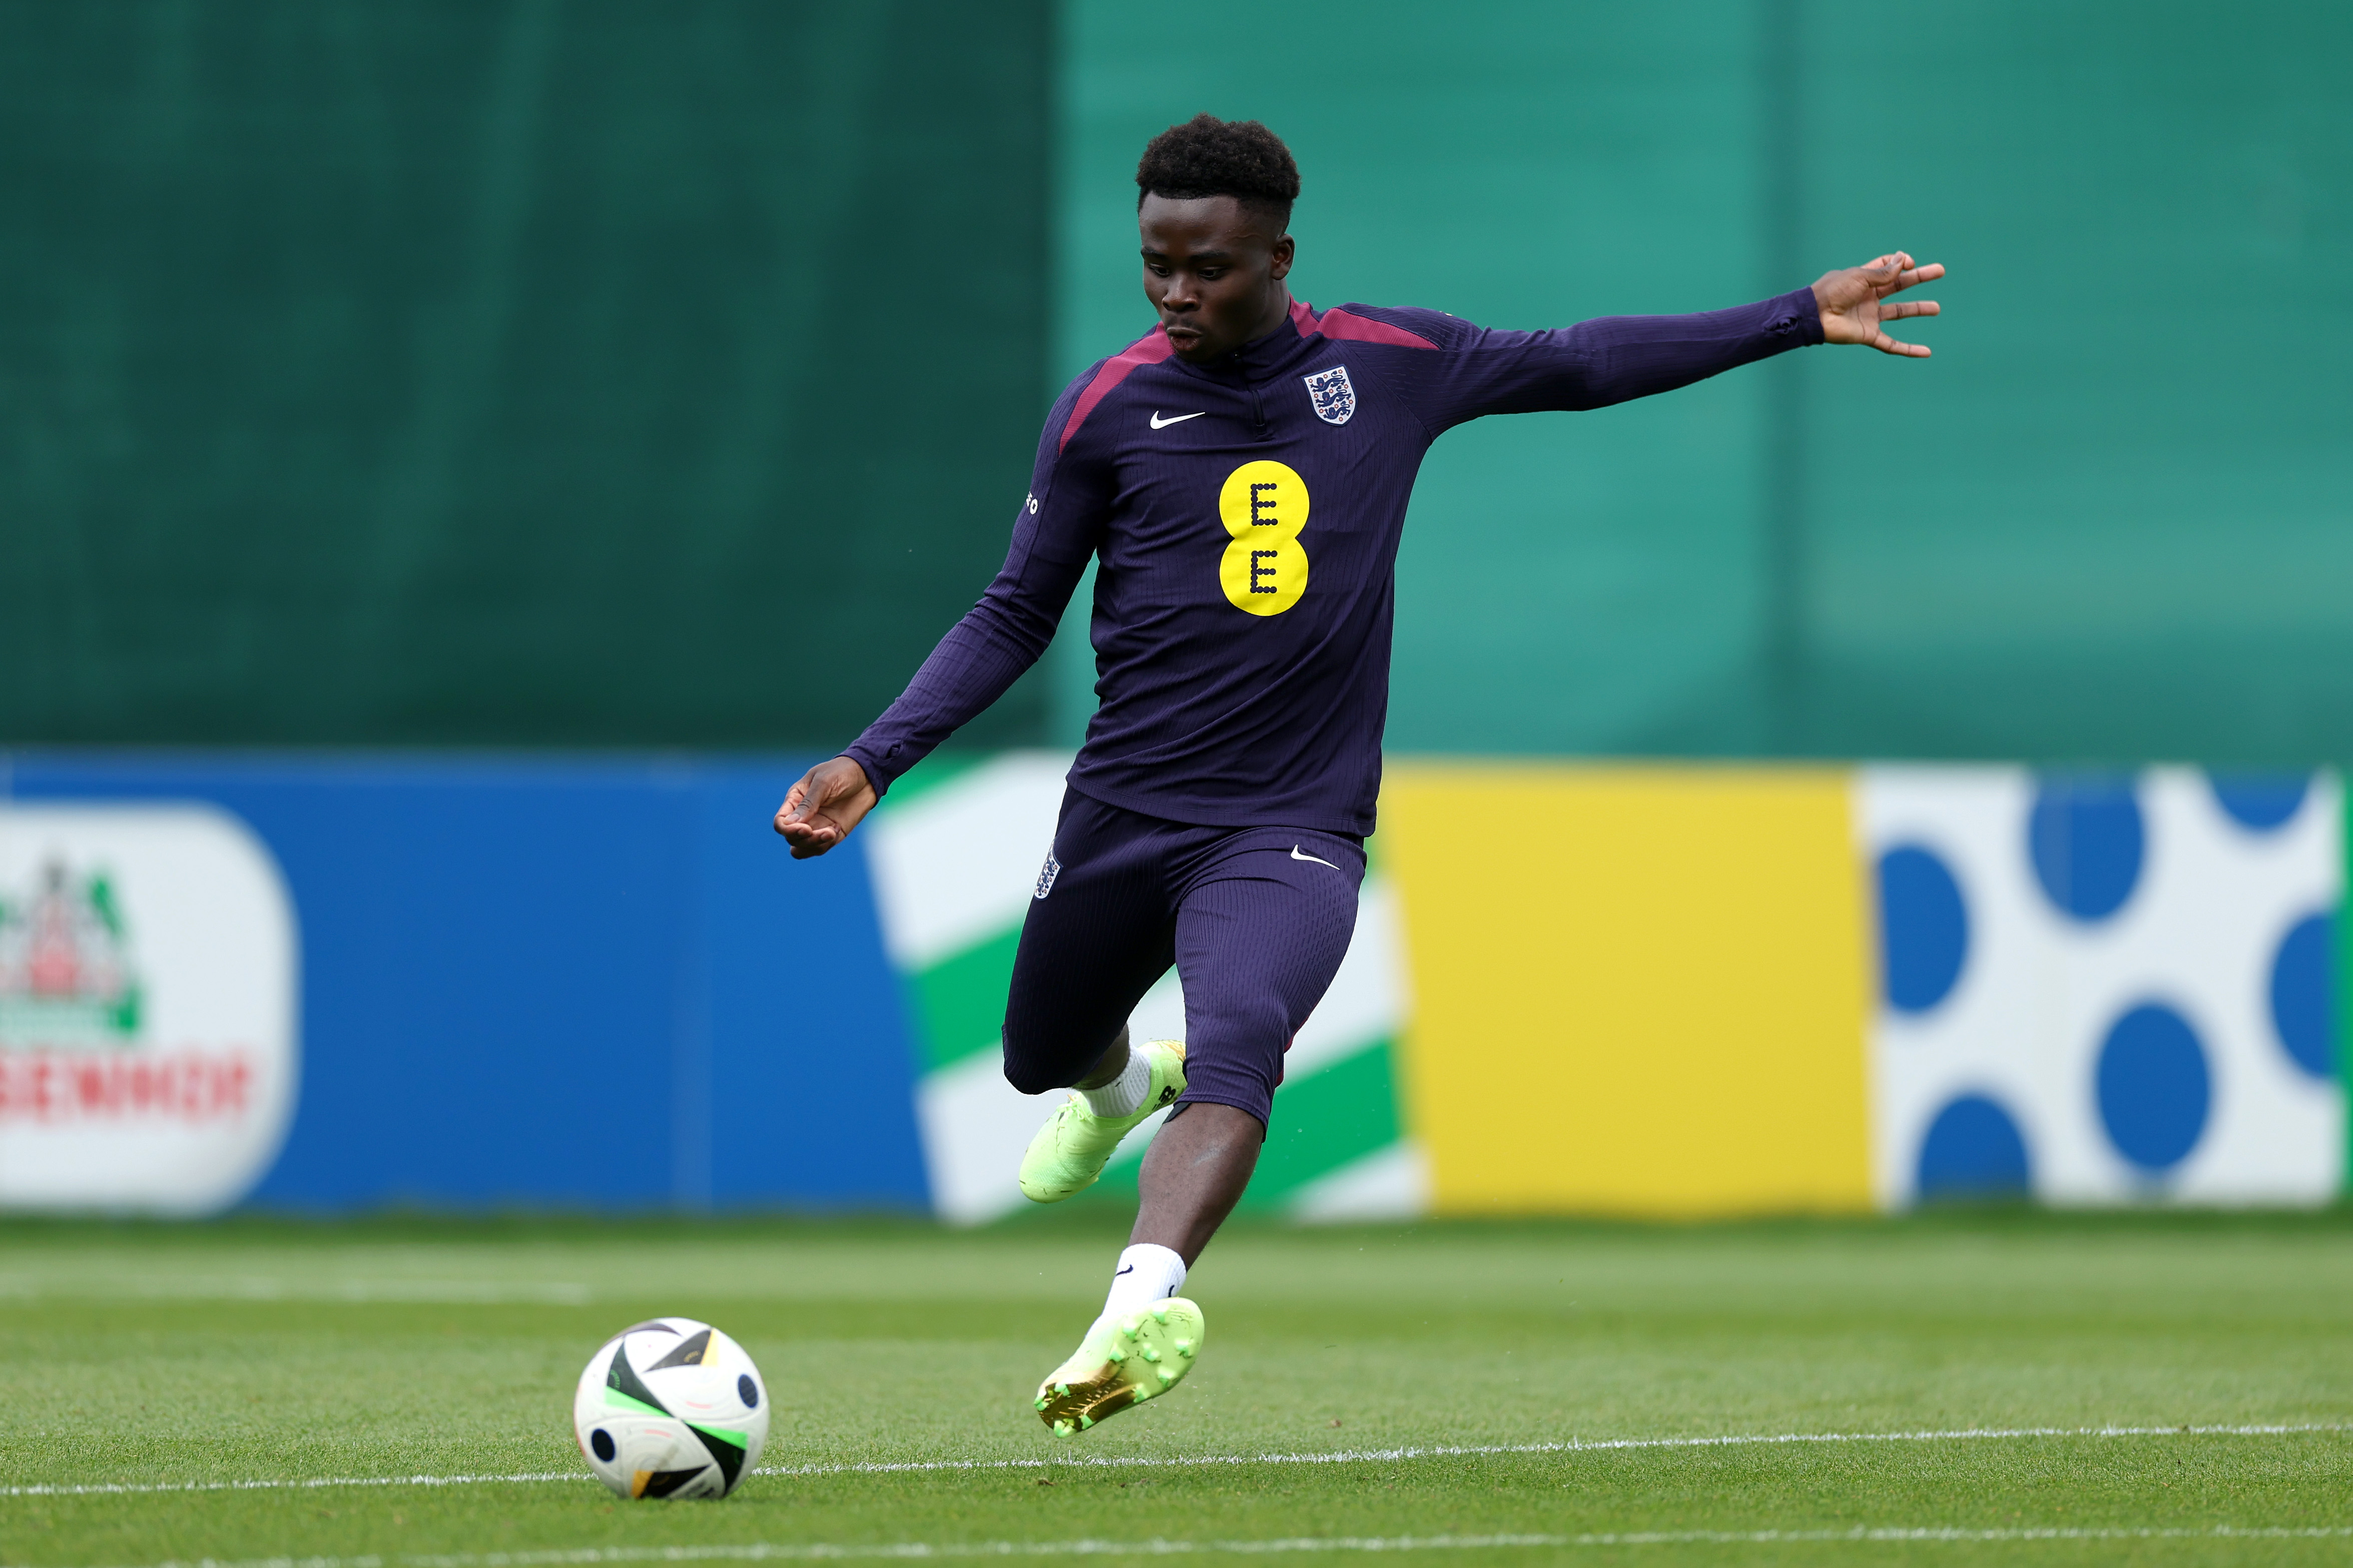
x: 1240, y: 472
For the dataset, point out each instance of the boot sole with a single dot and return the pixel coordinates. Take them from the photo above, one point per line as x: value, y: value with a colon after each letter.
x: 1151, y: 1352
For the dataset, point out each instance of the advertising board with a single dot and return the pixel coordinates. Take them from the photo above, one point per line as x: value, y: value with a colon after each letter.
x: 149, y: 968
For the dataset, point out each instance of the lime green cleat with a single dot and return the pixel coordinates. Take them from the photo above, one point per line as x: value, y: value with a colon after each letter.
x: 1125, y: 1359
x: 1072, y: 1150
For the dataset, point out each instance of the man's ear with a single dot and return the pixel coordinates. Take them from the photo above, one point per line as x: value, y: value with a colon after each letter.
x: 1280, y: 268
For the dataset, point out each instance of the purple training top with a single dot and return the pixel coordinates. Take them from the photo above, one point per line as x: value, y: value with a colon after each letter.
x: 1247, y: 514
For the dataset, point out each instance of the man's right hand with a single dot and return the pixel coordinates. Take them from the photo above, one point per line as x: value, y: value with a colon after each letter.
x: 819, y: 811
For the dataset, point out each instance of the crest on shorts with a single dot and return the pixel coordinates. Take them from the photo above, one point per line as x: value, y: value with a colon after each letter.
x: 1334, y: 398
x: 1046, y: 874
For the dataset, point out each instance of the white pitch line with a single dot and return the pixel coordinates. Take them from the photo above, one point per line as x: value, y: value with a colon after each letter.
x: 1566, y: 1446
x: 755, y: 1552
x: 1147, y: 1461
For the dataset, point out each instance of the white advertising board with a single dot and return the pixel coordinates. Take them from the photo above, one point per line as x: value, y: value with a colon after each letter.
x: 2105, y: 991
x: 149, y: 1058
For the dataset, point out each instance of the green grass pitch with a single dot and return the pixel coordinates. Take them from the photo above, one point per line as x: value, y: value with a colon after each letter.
x: 146, y: 1358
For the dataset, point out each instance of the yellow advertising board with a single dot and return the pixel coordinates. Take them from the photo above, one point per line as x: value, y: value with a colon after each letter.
x: 1636, y: 990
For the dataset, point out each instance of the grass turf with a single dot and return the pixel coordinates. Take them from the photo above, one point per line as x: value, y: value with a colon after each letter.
x: 256, y: 1350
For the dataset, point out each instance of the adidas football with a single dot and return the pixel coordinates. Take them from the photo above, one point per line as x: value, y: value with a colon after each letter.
x: 670, y: 1408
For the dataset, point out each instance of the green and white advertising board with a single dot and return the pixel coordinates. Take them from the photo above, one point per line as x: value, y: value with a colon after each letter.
x: 956, y: 851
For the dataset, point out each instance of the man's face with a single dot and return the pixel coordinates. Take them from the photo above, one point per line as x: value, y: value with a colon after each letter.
x: 1213, y: 273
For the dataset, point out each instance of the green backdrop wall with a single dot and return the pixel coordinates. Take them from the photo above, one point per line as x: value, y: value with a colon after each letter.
x: 501, y: 371
x: 2109, y: 518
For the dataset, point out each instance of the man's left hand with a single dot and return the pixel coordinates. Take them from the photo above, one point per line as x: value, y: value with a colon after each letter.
x: 1855, y: 306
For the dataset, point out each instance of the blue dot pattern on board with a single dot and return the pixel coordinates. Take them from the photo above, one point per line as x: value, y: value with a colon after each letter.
x: 2085, y: 838
x: 1924, y: 928
x: 2304, y: 994
x: 1973, y: 1149
x: 2259, y: 800
x: 2154, y: 1088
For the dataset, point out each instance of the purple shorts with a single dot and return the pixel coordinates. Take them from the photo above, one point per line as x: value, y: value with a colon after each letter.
x: 1256, y: 920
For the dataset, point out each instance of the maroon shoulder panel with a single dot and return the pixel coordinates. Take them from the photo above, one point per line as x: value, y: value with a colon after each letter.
x: 1341, y: 325
x: 1149, y: 348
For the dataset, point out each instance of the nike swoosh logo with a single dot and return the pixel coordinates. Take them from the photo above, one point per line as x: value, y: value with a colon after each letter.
x: 1160, y: 424
x: 1117, y: 1272
x: 1295, y: 855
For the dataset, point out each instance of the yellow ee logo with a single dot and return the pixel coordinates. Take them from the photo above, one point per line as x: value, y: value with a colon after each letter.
x: 1264, y: 505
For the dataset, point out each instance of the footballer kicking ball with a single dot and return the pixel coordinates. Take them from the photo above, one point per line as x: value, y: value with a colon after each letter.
x: 670, y: 1408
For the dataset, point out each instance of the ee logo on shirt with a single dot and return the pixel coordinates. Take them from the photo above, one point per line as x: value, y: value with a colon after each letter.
x: 1264, y: 505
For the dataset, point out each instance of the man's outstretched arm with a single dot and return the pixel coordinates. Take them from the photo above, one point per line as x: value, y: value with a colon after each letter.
x: 1627, y: 357
x: 1615, y: 359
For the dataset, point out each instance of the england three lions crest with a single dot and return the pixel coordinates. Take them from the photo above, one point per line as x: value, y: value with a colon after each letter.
x: 1332, y: 396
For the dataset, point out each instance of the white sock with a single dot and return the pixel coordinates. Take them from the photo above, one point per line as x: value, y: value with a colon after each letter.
x: 1147, y: 1274
x: 1123, y: 1094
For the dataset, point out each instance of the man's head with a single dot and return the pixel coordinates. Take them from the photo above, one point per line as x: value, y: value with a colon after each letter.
x: 1213, y: 202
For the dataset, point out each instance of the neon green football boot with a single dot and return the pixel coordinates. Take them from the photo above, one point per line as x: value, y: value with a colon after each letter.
x: 1070, y: 1151
x: 1125, y: 1359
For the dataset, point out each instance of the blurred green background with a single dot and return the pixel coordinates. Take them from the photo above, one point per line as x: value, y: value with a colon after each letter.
x: 604, y: 374
x: 486, y: 371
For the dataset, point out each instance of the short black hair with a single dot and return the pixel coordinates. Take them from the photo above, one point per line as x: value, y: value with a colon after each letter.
x: 1207, y: 156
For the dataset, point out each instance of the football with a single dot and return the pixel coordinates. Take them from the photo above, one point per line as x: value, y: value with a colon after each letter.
x: 670, y: 1408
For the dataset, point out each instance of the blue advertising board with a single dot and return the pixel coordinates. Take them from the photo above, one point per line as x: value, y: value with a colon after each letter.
x: 568, y: 982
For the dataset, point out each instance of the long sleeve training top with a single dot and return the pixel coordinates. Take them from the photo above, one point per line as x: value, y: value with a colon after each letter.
x: 1247, y: 514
